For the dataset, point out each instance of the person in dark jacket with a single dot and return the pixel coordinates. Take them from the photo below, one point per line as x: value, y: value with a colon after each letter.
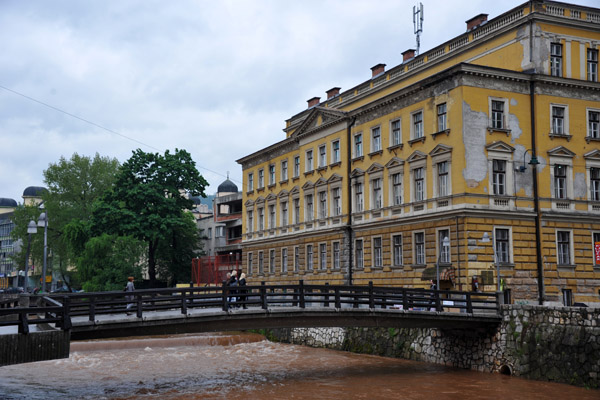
x: 233, y: 282
x: 243, y: 290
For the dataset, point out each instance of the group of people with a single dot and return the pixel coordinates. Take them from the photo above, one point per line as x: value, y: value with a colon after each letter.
x: 236, y: 295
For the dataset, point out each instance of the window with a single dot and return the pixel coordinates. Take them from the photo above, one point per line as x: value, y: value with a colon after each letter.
x: 441, y: 117
x: 397, y: 243
x: 442, y: 169
x: 261, y: 218
x: 596, y: 247
x: 375, y: 139
x: 592, y: 65
x: 284, y: 259
x: 593, y: 124
x: 358, y: 196
x: 396, y: 133
x: 284, y: 213
x: 250, y: 220
x: 595, y: 184
x: 502, y: 245
x: 358, y: 250
x: 296, y: 211
x: 419, y: 182
x: 558, y: 120
x: 567, y: 295
x: 272, y: 261
x: 272, y: 174
x: 335, y: 151
x: 309, y: 257
x: 210, y: 233
x: 499, y: 177
x: 309, y: 161
x: 358, y: 150
x: 309, y: 208
x: 497, y: 114
x: 250, y: 182
x: 563, y: 244
x: 249, y: 263
x: 296, y: 166
x: 377, y: 198
x: 560, y: 181
x: 323, y: 256
x: 419, y: 248
x: 272, y: 216
x: 417, y: 119
x: 556, y: 59
x: 296, y: 259
x: 322, y: 156
x: 444, y: 251
x: 261, y: 268
x: 377, y: 253
x: 261, y: 178
x: 336, y: 255
x: 284, y: 170
x: 323, y: 204
x: 397, y: 189
x: 219, y: 231
x: 337, y: 201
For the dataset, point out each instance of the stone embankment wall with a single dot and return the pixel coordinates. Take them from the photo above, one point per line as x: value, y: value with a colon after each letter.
x: 559, y: 344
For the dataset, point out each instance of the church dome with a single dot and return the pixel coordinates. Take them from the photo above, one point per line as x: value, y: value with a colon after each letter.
x: 227, y: 187
x: 6, y: 202
x: 34, y: 191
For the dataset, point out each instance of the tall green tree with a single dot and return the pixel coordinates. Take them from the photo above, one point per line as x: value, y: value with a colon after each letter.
x: 175, y: 253
x: 147, y: 200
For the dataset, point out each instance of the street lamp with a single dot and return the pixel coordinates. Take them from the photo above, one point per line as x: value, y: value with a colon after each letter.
x: 445, y: 245
x: 43, y: 222
x: 31, y: 228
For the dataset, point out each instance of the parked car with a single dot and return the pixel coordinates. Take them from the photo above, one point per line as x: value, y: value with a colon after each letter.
x: 63, y: 289
x: 12, y: 290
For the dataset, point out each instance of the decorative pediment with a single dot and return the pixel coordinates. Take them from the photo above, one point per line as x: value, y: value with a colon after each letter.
x: 561, y: 151
x: 249, y: 203
x: 260, y: 200
x: 374, y: 168
x: 593, y: 155
x: 295, y: 190
x: 500, y: 146
x: 394, y: 162
x: 356, y: 172
x: 283, y: 193
x: 416, y: 156
x: 334, y: 178
x: 440, y: 149
x: 320, y: 182
x: 308, y: 185
x: 319, y: 117
x: 271, y: 197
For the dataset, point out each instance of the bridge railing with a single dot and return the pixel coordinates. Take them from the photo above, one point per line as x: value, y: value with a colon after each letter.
x: 61, y: 308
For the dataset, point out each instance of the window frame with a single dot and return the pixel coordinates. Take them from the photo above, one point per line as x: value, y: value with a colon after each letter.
x: 296, y: 258
x: 272, y: 262
x: 272, y: 216
x: 357, y: 145
x: 336, y: 204
x: 376, y: 139
x: 261, y: 263
x: 592, y: 64
x: 322, y: 156
x: 250, y: 220
x: 417, y: 129
x: 419, y: 184
x: 335, y: 254
x: 501, y: 122
x: 555, y: 126
x: 272, y: 174
x: 284, y: 212
x: 377, y: 253
x: 593, y: 126
x: 309, y: 257
x: 250, y: 181
x: 499, y: 188
x: 249, y: 261
x: 309, y: 207
x: 359, y: 253
x: 376, y: 193
x: 504, y: 241
x: 396, y: 132
x: 335, y: 151
x: 397, y: 250
x: 323, y: 212
x: 419, y: 248
x: 358, y: 196
x: 296, y: 166
x: 442, y: 117
x: 322, y: 256
x: 561, y: 245
x: 284, y: 170
x: 284, y: 260
x: 261, y: 178
x: 309, y: 161
x: 443, y: 255
x: 556, y: 60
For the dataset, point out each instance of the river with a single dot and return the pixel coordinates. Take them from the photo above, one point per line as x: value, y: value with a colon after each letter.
x: 245, y: 366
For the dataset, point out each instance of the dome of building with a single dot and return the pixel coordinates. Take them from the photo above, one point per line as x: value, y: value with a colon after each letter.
x: 227, y: 187
x: 6, y: 202
x: 196, y: 200
x: 34, y: 191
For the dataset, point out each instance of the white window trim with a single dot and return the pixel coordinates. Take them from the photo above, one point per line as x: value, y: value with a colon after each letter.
x: 373, y: 255
x: 505, y: 113
x: 283, y: 222
x: 568, y: 161
x: 249, y: 262
x: 393, y: 255
x: 333, y: 159
x: 261, y: 262
x: 392, y: 144
x: 589, y: 164
x: 571, y: 247
x: 250, y: 181
x: 284, y: 177
x: 272, y: 178
x: 323, y: 162
x: 372, y: 178
x: 274, y: 224
x: 373, y: 149
x: 324, y: 261
x: 414, y: 248
x: 362, y: 145
x: 412, y: 124
x: 363, y: 253
x: 509, y: 184
x: 284, y: 260
x: 437, y: 127
x: 296, y: 258
x: 299, y: 166
x: 272, y: 261
x: 435, y: 160
x: 565, y: 121
x: 309, y: 166
x: 594, y: 249
x: 438, y: 245
x: 261, y: 185
x: 587, y: 121
x: 333, y: 211
x: 416, y: 165
x: 355, y: 206
x: 310, y: 266
x: 511, y: 253
x: 339, y: 266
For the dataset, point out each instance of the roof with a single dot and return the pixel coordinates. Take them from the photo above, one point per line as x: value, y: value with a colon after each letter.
x: 227, y: 187
x: 6, y: 202
x: 34, y: 191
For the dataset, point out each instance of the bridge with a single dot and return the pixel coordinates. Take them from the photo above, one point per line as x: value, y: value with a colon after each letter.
x: 209, y: 309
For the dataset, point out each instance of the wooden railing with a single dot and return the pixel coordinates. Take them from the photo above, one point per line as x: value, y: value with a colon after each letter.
x: 60, y: 309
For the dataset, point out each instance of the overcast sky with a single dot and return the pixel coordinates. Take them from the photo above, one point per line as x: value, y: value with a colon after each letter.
x: 217, y: 78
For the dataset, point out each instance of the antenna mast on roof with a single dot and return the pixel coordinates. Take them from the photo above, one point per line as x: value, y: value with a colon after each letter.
x: 418, y: 23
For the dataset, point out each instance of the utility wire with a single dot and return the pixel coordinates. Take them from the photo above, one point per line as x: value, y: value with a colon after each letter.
x: 99, y: 126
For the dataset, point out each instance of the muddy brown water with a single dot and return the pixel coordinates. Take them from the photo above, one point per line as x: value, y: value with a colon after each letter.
x: 245, y: 366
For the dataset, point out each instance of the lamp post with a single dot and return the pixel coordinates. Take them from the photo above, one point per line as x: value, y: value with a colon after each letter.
x: 43, y: 222
x: 31, y: 228
x: 445, y: 245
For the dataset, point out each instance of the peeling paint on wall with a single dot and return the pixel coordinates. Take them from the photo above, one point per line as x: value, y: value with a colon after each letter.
x: 579, y: 186
x: 474, y: 131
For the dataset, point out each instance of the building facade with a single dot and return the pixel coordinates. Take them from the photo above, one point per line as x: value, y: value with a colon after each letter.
x: 475, y: 164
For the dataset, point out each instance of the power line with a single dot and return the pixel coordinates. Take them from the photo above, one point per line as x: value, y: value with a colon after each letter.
x: 98, y: 125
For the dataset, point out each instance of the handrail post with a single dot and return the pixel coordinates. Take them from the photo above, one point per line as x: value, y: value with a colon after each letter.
x: 338, y: 300
x: 326, y: 297
x: 224, y: 295
x: 371, y: 298
x: 438, y: 301
x: 469, y: 304
x: 404, y: 300
x: 301, y: 290
x: 183, y: 303
x: 66, y: 322
x: 263, y: 296
x: 139, y: 305
x: 92, y: 314
x: 23, y: 324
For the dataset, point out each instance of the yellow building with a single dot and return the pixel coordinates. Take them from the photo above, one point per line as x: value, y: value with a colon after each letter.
x: 478, y: 158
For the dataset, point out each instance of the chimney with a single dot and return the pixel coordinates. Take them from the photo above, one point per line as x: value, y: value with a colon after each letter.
x: 378, y: 69
x: 333, y: 92
x: 476, y: 21
x: 408, y: 54
x: 313, y: 102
